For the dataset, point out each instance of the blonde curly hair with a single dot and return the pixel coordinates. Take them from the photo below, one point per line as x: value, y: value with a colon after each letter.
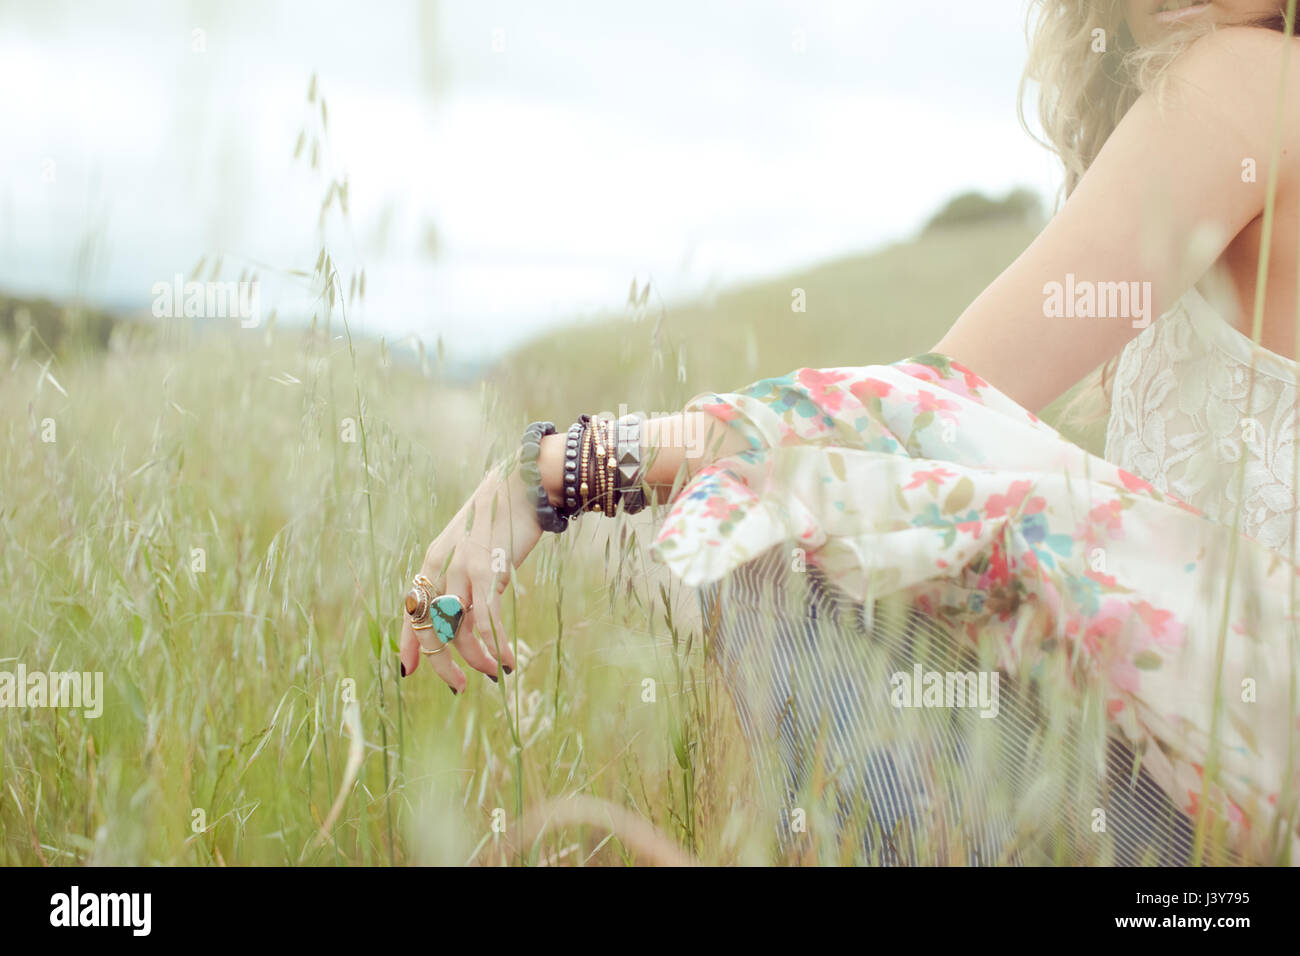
x: 1089, y: 70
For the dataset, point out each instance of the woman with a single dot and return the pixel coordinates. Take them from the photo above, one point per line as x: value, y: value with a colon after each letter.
x: 858, y: 531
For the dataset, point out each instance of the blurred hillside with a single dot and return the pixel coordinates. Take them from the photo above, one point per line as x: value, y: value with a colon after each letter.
x: 865, y: 309
x: 874, y: 307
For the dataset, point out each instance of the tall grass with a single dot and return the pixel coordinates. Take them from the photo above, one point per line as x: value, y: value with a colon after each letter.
x: 222, y: 522
x: 227, y: 670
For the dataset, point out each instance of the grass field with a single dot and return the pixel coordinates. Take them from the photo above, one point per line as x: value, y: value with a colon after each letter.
x: 221, y: 521
x: 876, y: 307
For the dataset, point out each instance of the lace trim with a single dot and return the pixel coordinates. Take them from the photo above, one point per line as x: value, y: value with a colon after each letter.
x: 1179, y: 419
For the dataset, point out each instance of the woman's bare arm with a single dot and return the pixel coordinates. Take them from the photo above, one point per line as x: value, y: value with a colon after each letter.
x: 1161, y: 175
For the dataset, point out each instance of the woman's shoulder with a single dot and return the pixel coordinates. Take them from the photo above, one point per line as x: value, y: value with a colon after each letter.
x: 1254, y: 41
x: 1237, y: 72
x: 1242, y: 58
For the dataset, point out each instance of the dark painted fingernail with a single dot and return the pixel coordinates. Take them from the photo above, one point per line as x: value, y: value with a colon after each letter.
x: 508, y: 669
x: 453, y: 690
x: 403, y: 667
x: 492, y: 678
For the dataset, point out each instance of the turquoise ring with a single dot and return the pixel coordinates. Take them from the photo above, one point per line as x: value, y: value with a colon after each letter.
x: 442, y: 613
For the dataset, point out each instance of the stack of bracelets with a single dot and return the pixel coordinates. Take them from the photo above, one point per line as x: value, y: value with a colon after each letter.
x: 602, y: 469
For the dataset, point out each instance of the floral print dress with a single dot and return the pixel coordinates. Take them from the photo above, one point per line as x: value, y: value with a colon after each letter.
x: 921, y: 479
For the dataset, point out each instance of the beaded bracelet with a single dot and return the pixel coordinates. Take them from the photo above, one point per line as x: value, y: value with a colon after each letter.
x: 611, y: 500
x: 585, y: 487
x: 572, y: 473
x: 597, y: 465
x: 547, y: 516
x: 611, y: 465
x: 602, y: 469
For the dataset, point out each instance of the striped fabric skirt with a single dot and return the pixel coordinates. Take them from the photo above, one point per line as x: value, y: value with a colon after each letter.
x: 855, y: 767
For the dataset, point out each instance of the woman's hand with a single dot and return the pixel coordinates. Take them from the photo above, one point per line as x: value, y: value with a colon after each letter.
x: 480, y: 542
x: 497, y: 524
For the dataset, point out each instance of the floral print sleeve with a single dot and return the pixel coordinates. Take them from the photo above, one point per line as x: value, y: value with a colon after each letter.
x: 921, y: 478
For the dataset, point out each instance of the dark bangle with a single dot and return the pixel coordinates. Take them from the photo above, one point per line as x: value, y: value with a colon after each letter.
x: 547, y: 516
x: 572, y: 468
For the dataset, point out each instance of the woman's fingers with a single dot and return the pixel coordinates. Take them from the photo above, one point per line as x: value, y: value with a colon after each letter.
x: 445, y: 666
x: 472, y: 651
x: 487, y: 621
x: 416, y: 642
x: 443, y: 663
x: 474, y: 629
x: 409, y: 648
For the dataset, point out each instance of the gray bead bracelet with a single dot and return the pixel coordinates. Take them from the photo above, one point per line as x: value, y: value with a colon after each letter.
x: 547, y: 516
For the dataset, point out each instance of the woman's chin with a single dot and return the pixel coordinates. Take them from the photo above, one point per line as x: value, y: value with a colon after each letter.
x: 1184, y: 14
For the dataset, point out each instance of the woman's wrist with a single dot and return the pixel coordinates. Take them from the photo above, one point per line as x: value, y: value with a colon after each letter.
x: 693, y: 439
x: 551, y: 462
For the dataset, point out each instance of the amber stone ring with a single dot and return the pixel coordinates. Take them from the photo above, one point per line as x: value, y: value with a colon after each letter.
x: 440, y: 613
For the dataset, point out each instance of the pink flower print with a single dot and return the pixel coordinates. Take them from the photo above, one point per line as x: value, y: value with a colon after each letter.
x: 1124, y: 675
x: 915, y: 369
x: 1194, y: 803
x: 1104, y: 517
x: 1134, y: 483
x: 718, y: 507
x: 1105, y: 580
x: 1105, y: 625
x: 965, y: 386
x: 935, y: 475
x: 970, y: 378
x: 1162, y: 626
x: 721, y: 410
x: 1108, y: 514
x: 821, y: 387
x: 930, y: 402
x: 1236, y: 815
x: 998, y: 572
x: 999, y: 505
x: 870, y: 388
x: 1102, y: 641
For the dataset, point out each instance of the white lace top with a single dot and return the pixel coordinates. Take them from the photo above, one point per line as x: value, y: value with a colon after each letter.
x: 1180, y: 419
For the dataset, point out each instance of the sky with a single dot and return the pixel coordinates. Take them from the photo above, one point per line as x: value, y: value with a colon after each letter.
x: 510, y: 165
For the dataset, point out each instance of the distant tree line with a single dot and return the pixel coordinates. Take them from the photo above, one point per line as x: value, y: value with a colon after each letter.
x: 55, y: 325
x: 1020, y: 205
